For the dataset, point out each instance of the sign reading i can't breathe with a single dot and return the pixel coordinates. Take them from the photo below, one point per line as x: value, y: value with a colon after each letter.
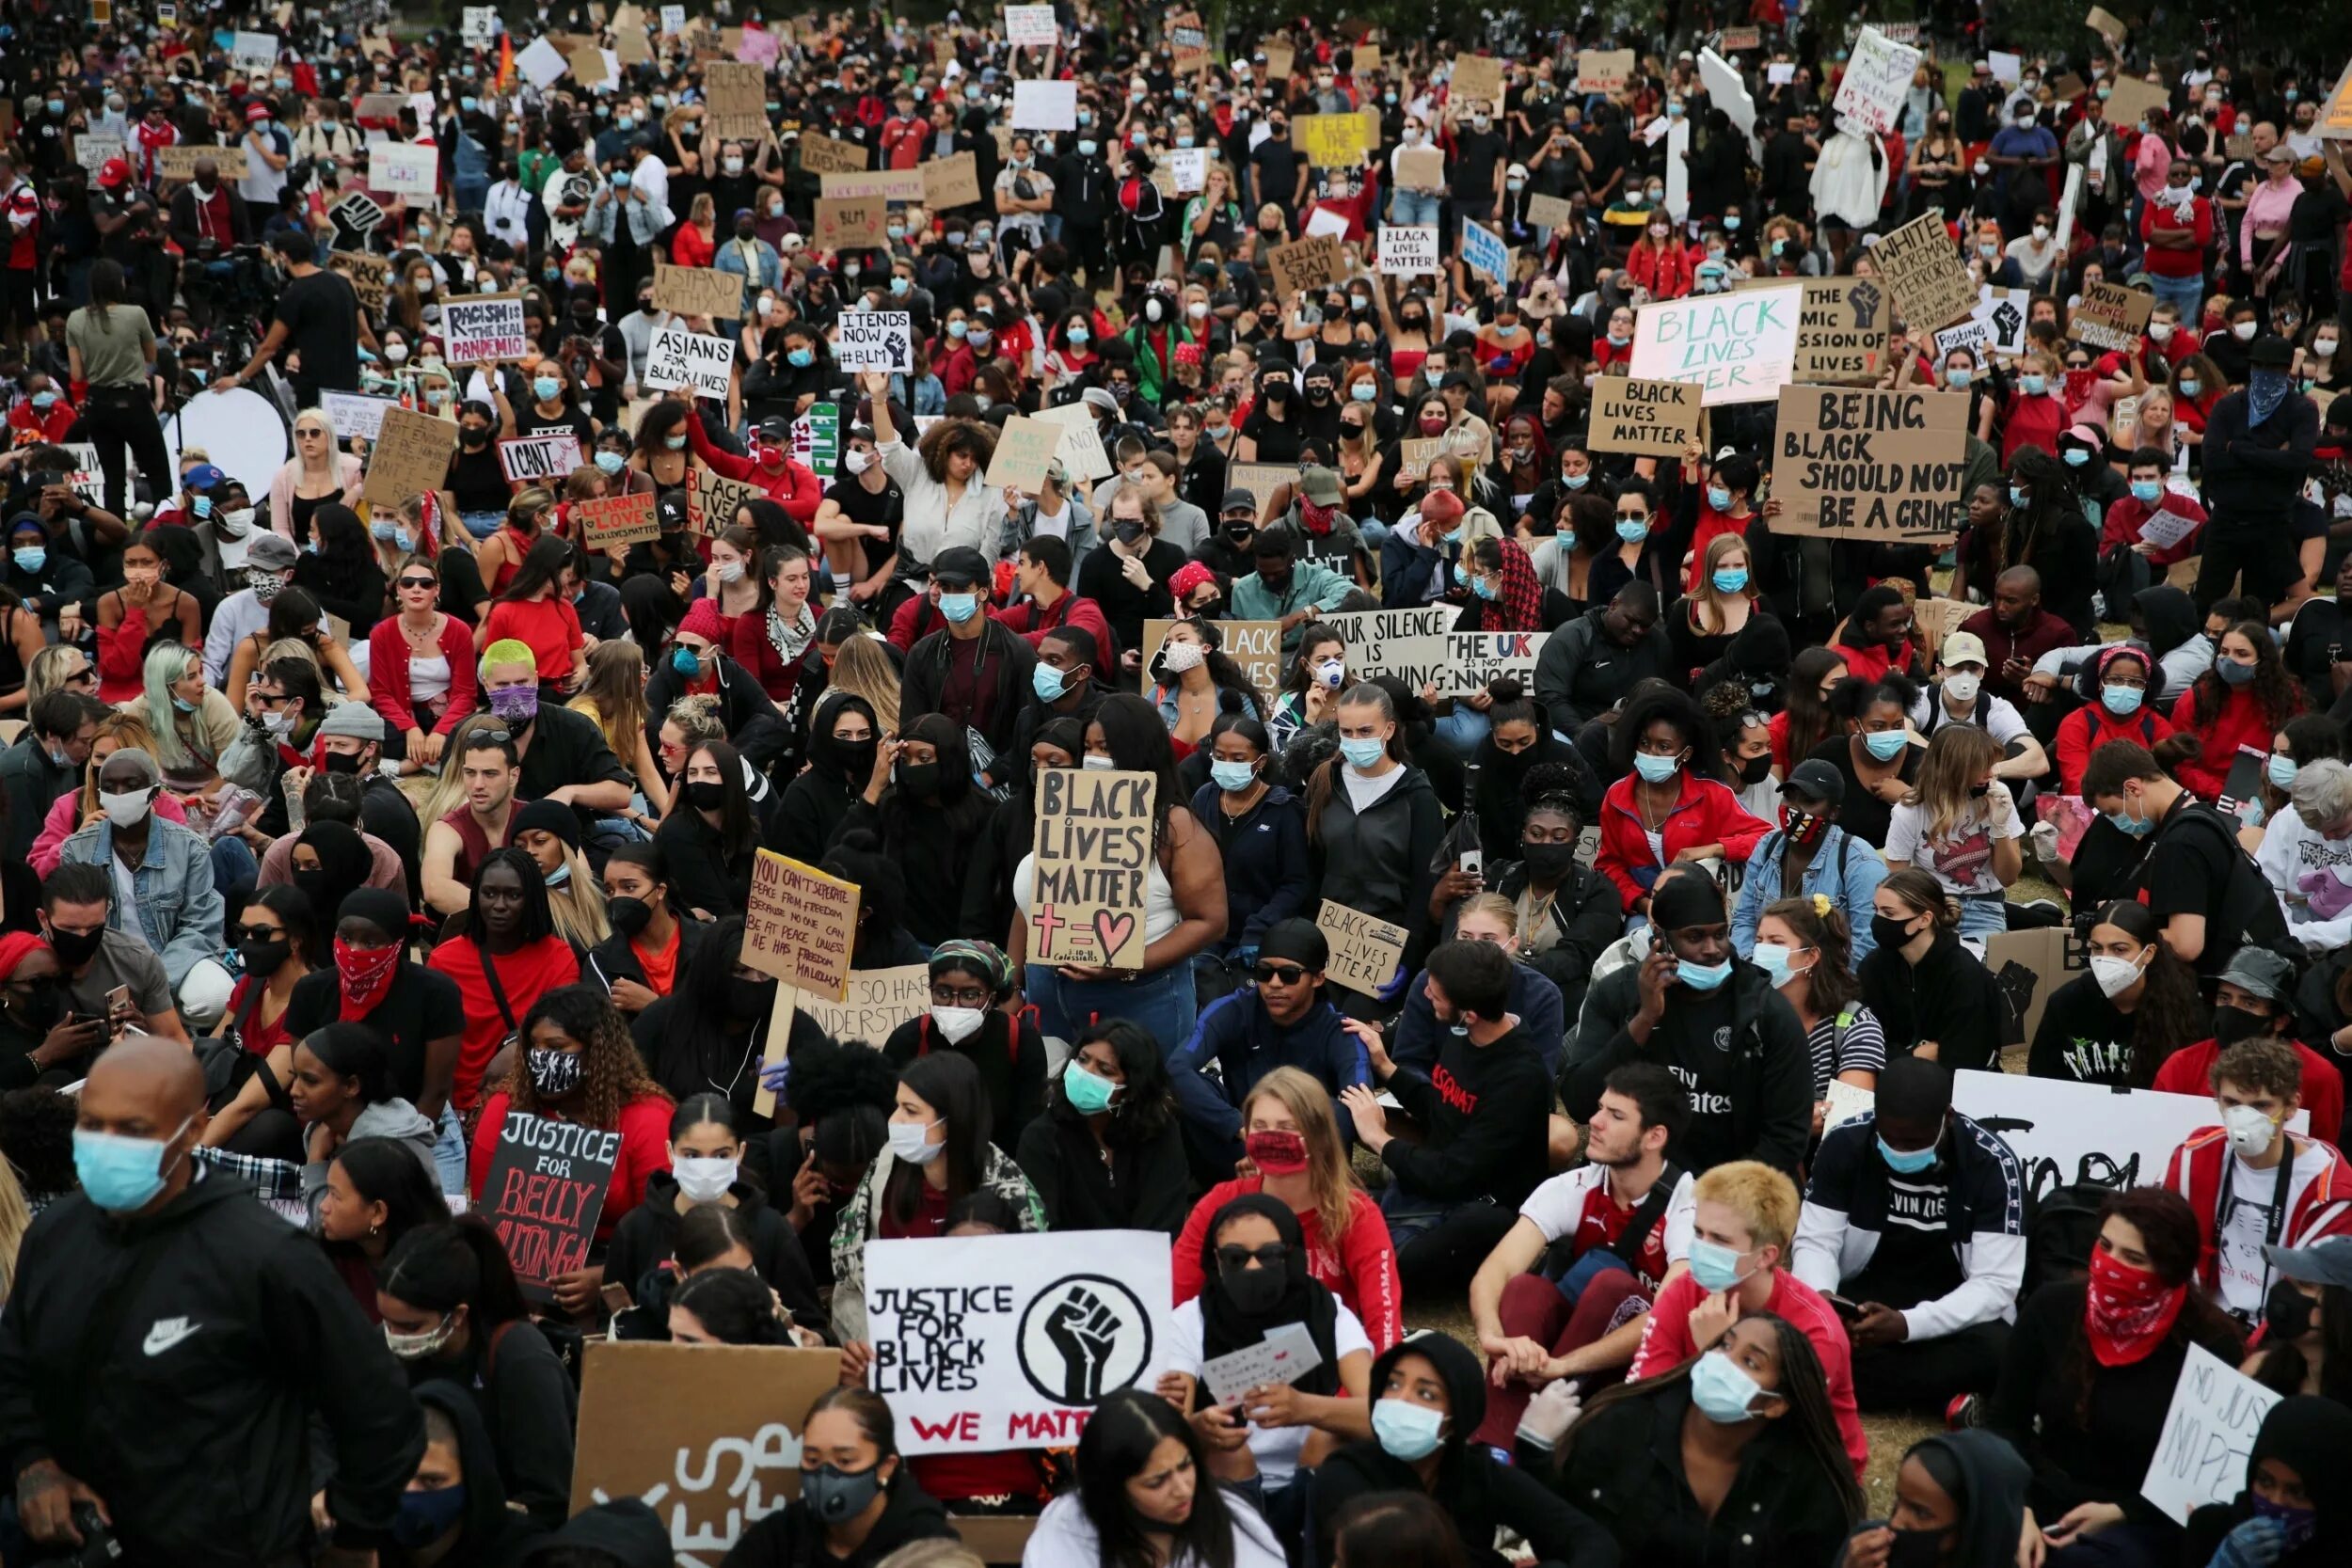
x: 874, y: 341
x: 984, y: 1343
x: 543, y: 1193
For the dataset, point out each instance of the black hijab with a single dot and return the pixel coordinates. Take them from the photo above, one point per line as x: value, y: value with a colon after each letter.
x: 1225, y: 1328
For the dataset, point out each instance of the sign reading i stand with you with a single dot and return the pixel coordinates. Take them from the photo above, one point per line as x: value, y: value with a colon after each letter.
x: 678, y: 357
x: 543, y: 1193
x: 1094, y: 845
x: 984, y: 1343
x: 1878, y: 76
x: 483, y: 328
x: 874, y: 341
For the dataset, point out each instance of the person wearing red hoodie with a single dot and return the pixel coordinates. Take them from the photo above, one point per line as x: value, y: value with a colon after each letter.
x: 1672, y: 804
x: 2255, y: 1001
x: 2121, y: 713
x: 770, y: 469
x: 2122, y: 536
x: 2251, y: 1183
x: 43, y: 415
x: 2238, y: 705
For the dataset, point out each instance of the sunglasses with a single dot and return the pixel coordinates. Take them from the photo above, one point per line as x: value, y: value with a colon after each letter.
x: 1288, y: 975
x: 417, y: 583
x: 258, y: 933
x: 1232, y: 1259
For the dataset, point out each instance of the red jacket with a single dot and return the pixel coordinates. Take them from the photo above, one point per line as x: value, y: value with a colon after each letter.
x: 645, y: 1150
x: 794, y: 487
x: 388, y: 676
x: 2189, y: 1071
x: 30, y: 423
x: 2240, y: 722
x: 1667, y: 272
x: 2091, y: 726
x: 1707, y: 812
x: 2128, y: 516
x: 2320, y: 1205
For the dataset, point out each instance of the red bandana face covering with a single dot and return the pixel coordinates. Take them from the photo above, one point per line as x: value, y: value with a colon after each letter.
x: 366, y: 972
x: 2126, y: 1310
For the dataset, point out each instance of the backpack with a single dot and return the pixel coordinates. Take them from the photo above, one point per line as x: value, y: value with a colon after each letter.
x: 2061, y: 1226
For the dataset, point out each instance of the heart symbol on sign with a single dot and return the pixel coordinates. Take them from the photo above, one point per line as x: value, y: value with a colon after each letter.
x: 1112, y: 931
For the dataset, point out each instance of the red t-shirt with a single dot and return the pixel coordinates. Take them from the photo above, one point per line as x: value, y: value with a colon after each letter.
x: 550, y: 625
x: 644, y: 1148
x: 1666, y: 1344
x: 527, y: 974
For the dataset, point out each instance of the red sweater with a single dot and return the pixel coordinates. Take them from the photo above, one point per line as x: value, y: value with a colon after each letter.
x: 1072, y: 609
x: 550, y: 625
x: 1706, y: 813
x: 2189, y: 1071
x: 2091, y: 726
x: 795, y: 487
x: 1361, y: 1273
x: 749, y: 645
x: 2126, y: 517
x: 645, y: 1150
x: 2032, y: 421
x: 2240, y: 722
x: 527, y: 974
x: 388, y: 676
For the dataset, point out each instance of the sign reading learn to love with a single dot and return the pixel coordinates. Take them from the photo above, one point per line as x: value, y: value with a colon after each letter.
x: 1093, y: 862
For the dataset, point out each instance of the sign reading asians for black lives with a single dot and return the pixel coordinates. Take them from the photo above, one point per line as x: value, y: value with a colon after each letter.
x: 1883, y: 466
x: 985, y: 1344
x: 543, y: 1193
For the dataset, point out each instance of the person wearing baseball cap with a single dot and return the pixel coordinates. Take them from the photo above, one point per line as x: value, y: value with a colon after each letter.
x: 2254, y: 999
x: 2253, y: 474
x: 1957, y: 697
x: 972, y: 667
x: 1809, y: 855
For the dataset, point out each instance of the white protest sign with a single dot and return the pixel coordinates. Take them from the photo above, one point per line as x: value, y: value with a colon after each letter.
x: 2064, y: 1131
x: 1878, y: 76
x: 992, y: 1342
x: 1679, y: 169
x: 1029, y: 26
x: 2008, y: 69
x: 404, y: 168
x: 1046, y: 105
x: 2003, y: 313
x: 87, y: 476
x: 2165, y: 530
x: 481, y: 27
x: 1189, y: 165
x: 1846, y: 1101
x: 1740, y: 347
x: 678, y: 357
x: 674, y: 19
x: 1080, y: 449
x: 253, y: 52
x: 1410, y: 644
x: 482, y: 329
x: 543, y: 63
x: 1971, y: 332
x: 1476, y: 659
x: 540, y: 459
x: 1729, y: 91
x: 1408, y: 249
x: 353, y: 414
x: 2208, y: 1433
x: 1285, y: 1355
x: 874, y: 341
x: 94, y: 152
x: 879, y: 1000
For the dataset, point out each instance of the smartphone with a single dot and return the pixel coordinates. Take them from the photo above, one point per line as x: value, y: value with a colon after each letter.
x: 118, y: 1002
x: 1847, y: 1310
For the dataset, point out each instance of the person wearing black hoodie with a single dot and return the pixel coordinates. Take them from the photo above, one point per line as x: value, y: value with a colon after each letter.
x: 1711, y: 1018
x: 1568, y: 913
x: 1373, y: 822
x: 860, y: 1502
x: 927, y: 815
x: 1484, y: 1104
x: 1429, y: 1396
x: 843, y: 735
x: 970, y: 984
x: 623, y: 1534
x: 1965, y: 1490
x: 455, y: 1512
x: 1925, y: 988
x: 1107, y: 1155
x: 2291, y: 1514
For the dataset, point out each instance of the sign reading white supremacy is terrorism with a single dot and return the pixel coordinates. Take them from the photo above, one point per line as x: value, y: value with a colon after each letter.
x: 1740, y: 347
x: 483, y: 328
x: 874, y: 341
x: 990, y: 1342
x: 678, y: 357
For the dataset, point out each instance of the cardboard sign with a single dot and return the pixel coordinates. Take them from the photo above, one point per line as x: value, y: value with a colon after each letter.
x: 1649, y: 419
x: 1268, y: 482
x: 1603, y: 69
x: 984, y: 1343
x: 1080, y: 449
x: 2165, y: 530
x: 1408, y: 250
x: 1477, y: 80
x: 546, y: 460
x: 885, y: 184
x: 1188, y: 45
x: 2129, y: 98
x: 800, y: 925
x: 1308, y: 263
x: 1413, y: 456
x: 1549, y: 211
x: 369, y: 276
x: 1733, y: 39
x: 616, y: 522
x: 1364, y: 951
x: 1187, y: 169
x: 2111, y: 316
x: 479, y: 328
x: 1330, y: 141
x: 410, y: 455
x: 2208, y: 1435
x: 875, y: 341
x: 1931, y: 285
x: 698, y: 292
x: 2030, y: 966
x: 1044, y: 105
x: 1740, y: 347
x: 852, y: 223
x: 1255, y: 645
x: 2103, y: 23
x: 178, y: 164
x: 1279, y: 59
x: 1422, y: 168
x: 879, y: 1000
x: 1410, y: 644
x: 678, y: 357
x: 1476, y: 659
x: 587, y: 63
x: 707, y: 1435
x: 735, y: 99
x: 713, y: 503
x: 2335, y: 116
x: 253, y: 52
x: 1869, y: 464
x: 543, y: 1193
x: 481, y: 26
x: 823, y: 154
x: 1094, y: 847
x: 1025, y: 449
x: 951, y: 182
x: 404, y: 168
x: 1877, y: 80
x: 355, y: 416
x: 1841, y: 332
x: 1030, y: 27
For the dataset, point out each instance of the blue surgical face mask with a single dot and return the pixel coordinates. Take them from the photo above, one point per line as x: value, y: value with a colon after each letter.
x: 2122, y: 700
x: 1731, y: 579
x: 2188, y: 386
x: 1486, y: 588
x: 1719, y: 497
x: 121, y: 1174
x: 958, y: 608
x: 2281, y: 771
x: 2126, y: 822
x: 1724, y: 1393
x: 1716, y: 1267
x: 802, y: 359
x: 1576, y: 482
x: 1232, y: 776
x: 203, y: 506
x: 2232, y: 672
x: 30, y: 558
x: 1656, y: 769
x: 1087, y: 1094
x: 547, y: 389
x: 1408, y: 1431
x: 2032, y: 384
x: 1363, y: 391
x: 1906, y: 1162
x: 1885, y: 745
x: 1048, y: 683
x: 1633, y: 529
x: 611, y: 462
x: 902, y: 286
x: 1775, y: 962
x: 685, y: 662
x: 2076, y: 457
x: 2145, y: 491
x: 1956, y: 378
x: 1364, y: 753
x: 1699, y: 976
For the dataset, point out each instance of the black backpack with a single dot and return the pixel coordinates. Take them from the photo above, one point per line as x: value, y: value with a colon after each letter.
x: 2061, y: 1226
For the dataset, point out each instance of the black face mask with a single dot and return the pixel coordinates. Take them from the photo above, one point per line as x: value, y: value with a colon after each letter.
x: 750, y: 998
x: 1915, y: 1548
x: 857, y: 757
x: 706, y: 794
x: 2288, y: 1312
x: 1254, y: 1291
x: 311, y: 880
x: 262, y: 958
x: 1755, y: 770
x: 1889, y: 934
x: 919, y: 779
x: 342, y: 762
x: 1239, y: 533
x: 1277, y: 391
x: 471, y: 437
x: 75, y: 948
x: 1127, y: 533
x: 2233, y: 1024
x: 629, y: 915
x: 1548, y: 863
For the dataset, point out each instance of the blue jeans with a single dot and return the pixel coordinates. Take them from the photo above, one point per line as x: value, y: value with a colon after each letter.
x: 1162, y: 1002
x: 1983, y: 917
x: 2187, y: 293
x: 233, y: 865
x: 1415, y: 209
x: 448, y: 1151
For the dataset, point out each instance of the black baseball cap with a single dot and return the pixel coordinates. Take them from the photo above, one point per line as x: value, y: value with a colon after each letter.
x: 1816, y: 781
x: 958, y: 565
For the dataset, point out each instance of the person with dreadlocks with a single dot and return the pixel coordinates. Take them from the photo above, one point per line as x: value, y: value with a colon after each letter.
x: 577, y: 1064
x: 970, y: 981
x: 2047, y: 530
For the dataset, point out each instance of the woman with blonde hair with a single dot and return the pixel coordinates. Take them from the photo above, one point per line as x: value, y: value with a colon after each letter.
x: 548, y: 833
x: 863, y: 667
x: 697, y: 241
x: 191, y: 720
x: 1959, y: 823
x: 614, y: 697
x: 1295, y: 1154
x: 1701, y: 625
x: 315, y: 475
x: 122, y: 729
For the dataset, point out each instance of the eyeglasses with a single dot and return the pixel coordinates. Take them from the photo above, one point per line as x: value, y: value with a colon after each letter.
x: 1288, y: 975
x: 1232, y: 1259
x: 417, y: 583
x: 952, y: 996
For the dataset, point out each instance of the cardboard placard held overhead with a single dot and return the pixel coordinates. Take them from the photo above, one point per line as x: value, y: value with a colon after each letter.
x: 2335, y: 116
x: 951, y: 182
x: 1603, y: 69
x: 1094, y: 853
x: 1305, y: 264
x: 1030, y: 27
x: 880, y: 1000
x: 800, y: 925
x: 544, y: 1190
x: 1364, y: 950
x: 1931, y: 287
x: 887, y: 185
x: 1841, y: 332
x: 1024, y: 449
x: 1477, y: 80
x: 1330, y: 141
x: 1740, y: 347
x: 2103, y: 22
x: 735, y: 99
x: 1548, y: 212
x: 1855, y: 464
x: 1408, y: 250
x: 404, y: 168
x: 1044, y: 105
x: 823, y: 154
x: 1422, y: 168
x: 2131, y: 97
x: 368, y: 275
x: 1279, y: 59
x: 852, y: 223
x: 1649, y: 419
x: 410, y: 455
x: 540, y: 459
x: 698, y: 292
x: 616, y: 522
x: 2111, y: 316
x: 708, y: 1435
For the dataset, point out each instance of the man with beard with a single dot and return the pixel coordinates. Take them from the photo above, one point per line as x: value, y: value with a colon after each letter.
x: 1588, y: 666
x: 1551, y: 1300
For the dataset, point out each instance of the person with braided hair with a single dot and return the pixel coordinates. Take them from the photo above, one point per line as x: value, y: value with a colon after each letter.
x: 576, y: 1064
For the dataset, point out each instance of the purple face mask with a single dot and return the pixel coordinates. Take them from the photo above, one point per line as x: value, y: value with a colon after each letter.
x: 515, y: 704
